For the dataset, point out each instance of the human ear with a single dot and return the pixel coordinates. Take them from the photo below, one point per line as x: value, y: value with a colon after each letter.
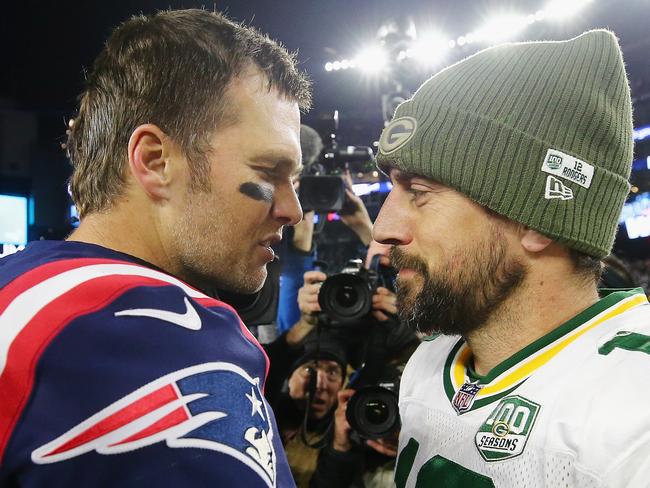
x: 533, y: 241
x: 147, y: 160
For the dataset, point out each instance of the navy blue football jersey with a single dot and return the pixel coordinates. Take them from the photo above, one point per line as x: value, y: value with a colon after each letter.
x: 115, y: 373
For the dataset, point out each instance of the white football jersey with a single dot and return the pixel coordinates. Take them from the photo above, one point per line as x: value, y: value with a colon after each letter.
x: 571, y: 409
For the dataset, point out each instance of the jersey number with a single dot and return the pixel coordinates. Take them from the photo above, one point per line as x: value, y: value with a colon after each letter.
x: 626, y: 340
x: 437, y: 471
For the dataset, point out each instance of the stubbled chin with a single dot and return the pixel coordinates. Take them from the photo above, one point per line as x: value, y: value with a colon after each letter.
x: 250, y: 282
x: 407, y: 293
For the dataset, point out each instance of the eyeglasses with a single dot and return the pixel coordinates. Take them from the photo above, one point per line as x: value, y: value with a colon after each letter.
x: 331, y: 372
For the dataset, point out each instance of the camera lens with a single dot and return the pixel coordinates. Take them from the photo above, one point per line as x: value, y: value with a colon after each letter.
x: 376, y: 412
x: 373, y: 412
x: 345, y: 297
x: 322, y: 193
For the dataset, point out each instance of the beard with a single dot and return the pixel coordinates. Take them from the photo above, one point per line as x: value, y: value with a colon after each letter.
x: 459, y: 300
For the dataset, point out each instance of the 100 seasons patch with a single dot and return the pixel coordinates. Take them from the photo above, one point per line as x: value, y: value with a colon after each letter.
x: 505, y: 433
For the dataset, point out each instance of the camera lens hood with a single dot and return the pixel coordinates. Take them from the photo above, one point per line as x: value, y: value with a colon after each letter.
x: 345, y: 297
x: 373, y: 412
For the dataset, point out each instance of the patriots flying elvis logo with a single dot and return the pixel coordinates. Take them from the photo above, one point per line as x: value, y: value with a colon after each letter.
x: 215, y: 406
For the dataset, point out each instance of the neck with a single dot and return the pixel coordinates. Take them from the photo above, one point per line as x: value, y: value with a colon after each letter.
x: 121, y: 231
x: 542, y: 303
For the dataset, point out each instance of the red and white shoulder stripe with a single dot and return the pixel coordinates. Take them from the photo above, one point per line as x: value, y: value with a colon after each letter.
x: 37, y: 305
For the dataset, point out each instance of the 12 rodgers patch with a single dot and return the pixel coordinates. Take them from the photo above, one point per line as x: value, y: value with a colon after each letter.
x: 505, y: 432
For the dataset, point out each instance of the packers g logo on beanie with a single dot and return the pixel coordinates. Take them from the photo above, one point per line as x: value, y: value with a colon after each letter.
x: 396, y: 134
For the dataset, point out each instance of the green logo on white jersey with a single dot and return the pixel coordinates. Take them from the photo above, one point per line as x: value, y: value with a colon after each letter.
x: 505, y: 433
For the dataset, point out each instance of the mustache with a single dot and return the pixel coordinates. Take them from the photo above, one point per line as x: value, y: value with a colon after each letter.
x: 400, y: 259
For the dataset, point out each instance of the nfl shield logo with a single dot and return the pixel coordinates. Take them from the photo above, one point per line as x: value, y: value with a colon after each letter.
x: 464, y: 397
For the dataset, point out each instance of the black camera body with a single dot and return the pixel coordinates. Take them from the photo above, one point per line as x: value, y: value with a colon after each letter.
x: 322, y: 193
x: 323, y: 189
x: 373, y: 410
x: 347, y: 297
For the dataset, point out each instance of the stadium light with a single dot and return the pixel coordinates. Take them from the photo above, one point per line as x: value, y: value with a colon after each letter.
x: 372, y: 60
x: 429, y: 48
x: 564, y: 9
x: 499, y: 28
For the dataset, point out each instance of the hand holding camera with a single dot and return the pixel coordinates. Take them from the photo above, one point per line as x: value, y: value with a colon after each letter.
x: 356, y: 293
x: 384, y: 302
x: 341, y: 441
x: 308, y: 295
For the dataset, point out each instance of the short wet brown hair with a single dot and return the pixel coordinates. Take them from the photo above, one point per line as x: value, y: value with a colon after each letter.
x: 170, y: 69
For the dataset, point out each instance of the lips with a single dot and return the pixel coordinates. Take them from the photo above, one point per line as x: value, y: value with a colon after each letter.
x: 406, y: 273
x: 271, y: 240
x: 318, y: 402
x: 269, y: 253
x: 266, y: 246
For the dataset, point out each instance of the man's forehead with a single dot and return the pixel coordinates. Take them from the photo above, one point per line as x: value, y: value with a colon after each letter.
x: 253, y: 89
x: 250, y: 81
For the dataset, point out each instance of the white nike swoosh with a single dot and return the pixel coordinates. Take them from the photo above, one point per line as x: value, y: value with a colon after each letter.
x: 190, y: 319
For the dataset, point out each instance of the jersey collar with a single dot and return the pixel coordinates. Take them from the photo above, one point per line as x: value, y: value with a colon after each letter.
x: 512, y: 372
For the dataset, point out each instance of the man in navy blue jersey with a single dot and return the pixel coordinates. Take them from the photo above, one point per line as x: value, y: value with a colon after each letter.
x: 115, y: 368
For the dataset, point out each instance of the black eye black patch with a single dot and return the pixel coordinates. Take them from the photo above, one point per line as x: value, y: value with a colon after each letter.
x: 257, y: 192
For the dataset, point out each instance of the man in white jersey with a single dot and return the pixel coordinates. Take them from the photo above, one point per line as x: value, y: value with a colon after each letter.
x: 509, y: 172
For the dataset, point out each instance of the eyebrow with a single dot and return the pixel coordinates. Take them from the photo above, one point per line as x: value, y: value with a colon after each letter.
x: 278, y: 160
x: 406, y: 176
x: 387, y: 168
x: 400, y: 175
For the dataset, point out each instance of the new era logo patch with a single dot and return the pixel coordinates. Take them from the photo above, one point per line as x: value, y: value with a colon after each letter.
x: 556, y: 189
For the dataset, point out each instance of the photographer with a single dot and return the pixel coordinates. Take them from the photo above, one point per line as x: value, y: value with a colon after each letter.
x: 382, y: 312
x: 297, y: 250
x: 344, y: 463
x: 379, y: 346
x: 306, y: 405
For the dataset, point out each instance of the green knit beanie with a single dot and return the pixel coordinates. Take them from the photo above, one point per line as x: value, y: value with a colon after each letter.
x: 540, y: 132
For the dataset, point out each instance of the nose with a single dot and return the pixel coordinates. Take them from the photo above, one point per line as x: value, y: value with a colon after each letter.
x: 286, y: 207
x: 393, y: 224
x: 320, y: 379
